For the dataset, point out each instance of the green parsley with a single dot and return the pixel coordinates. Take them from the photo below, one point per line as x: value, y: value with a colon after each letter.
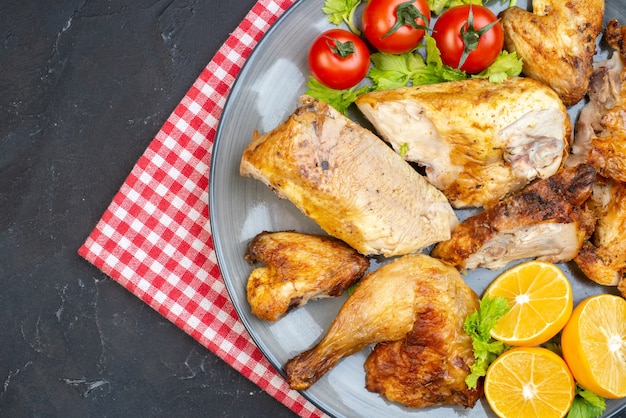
x: 350, y: 290
x: 404, y: 148
x: 339, y: 99
x: 586, y: 404
x: 391, y: 71
x: 506, y: 65
x: 437, y: 6
x: 478, y: 325
x: 342, y: 11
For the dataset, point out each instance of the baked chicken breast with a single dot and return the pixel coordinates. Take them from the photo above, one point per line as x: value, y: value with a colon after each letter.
x: 414, y: 297
x: 545, y: 220
x: 299, y: 267
x: 350, y: 182
x: 478, y: 141
x: 556, y: 42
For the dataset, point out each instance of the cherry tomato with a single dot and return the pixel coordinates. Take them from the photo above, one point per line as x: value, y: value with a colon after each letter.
x: 454, y: 36
x: 395, y: 26
x: 339, y: 59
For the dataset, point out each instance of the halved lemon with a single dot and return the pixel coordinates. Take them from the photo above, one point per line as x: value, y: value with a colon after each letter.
x: 540, y: 297
x: 529, y: 382
x: 594, y: 345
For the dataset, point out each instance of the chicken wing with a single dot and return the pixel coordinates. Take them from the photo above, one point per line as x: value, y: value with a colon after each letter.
x: 385, y: 307
x: 478, y: 141
x: 544, y: 220
x: 350, y: 182
x: 600, y: 137
x: 603, y: 258
x: 556, y: 42
x: 300, y: 267
x: 429, y: 366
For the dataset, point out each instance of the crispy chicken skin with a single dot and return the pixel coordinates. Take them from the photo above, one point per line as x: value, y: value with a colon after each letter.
x: 600, y: 138
x: 299, y: 267
x: 385, y: 307
x: 544, y: 220
x: 479, y: 141
x: 429, y: 366
x: 350, y: 182
x: 603, y: 257
x: 556, y: 42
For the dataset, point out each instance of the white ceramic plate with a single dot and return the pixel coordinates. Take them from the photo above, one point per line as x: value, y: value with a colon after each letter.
x: 264, y: 94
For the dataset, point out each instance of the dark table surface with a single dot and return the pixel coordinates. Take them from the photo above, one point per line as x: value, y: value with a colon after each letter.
x: 84, y: 87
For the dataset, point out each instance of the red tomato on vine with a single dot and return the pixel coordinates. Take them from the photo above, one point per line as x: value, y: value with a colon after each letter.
x: 395, y: 26
x: 339, y: 59
x: 469, y: 37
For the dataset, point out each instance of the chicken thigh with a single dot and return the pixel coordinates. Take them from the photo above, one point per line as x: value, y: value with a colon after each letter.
x: 429, y: 366
x: 479, y: 141
x: 299, y: 267
x: 544, y: 220
x: 350, y: 182
x: 603, y: 258
x: 556, y: 42
x: 385, y: 306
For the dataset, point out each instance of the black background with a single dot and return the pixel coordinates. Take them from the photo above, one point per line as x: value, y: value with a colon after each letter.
x: 84, y: 87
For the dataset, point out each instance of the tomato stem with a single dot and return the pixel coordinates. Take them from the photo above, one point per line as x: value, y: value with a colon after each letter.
x: 350, y: 21
x: 341, y: 49
x: 471, y: 36
x: 406, y: 13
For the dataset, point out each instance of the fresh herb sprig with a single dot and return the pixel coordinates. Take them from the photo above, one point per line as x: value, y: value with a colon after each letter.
x: 478, y: 325
x: 437, y: 6
x: 339, y: 99
x: 586, y: 404
x: 342, y: 11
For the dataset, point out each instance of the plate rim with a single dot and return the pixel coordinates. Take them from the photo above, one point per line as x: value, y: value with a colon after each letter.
x: 216, y: 238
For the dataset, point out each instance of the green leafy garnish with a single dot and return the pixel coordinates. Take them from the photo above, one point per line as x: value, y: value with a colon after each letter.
x: 350, y: 290
x: 437, y: 6
x: 436, y: 71
x: 342, y: 11
x: 339, y: 99
x: 508, y: 64
x: 404, y: 148
x: 478, y: 325
x: 586, y: 404
x: 391, y: 71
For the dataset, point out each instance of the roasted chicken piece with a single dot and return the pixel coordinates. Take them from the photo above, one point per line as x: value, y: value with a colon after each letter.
x: 556, y: 42
x: 600, y: 138
x: 544, y: 220
x: 603, y: 258
x: 347, y: 180
x: 429, y: 366
x: 385, y: 306
x: 300, y: 267
x: 479, y: 141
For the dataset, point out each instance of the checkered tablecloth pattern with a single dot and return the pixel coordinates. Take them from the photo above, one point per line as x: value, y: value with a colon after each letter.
x: 154, y: 238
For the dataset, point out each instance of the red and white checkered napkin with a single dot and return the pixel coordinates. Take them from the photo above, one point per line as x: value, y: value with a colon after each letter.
x: 154, y: 238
